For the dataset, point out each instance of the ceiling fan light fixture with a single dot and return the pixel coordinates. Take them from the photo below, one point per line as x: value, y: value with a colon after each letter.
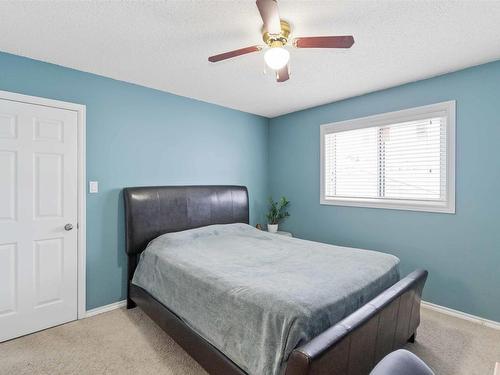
x: 276, y: 57
x: 276, y: 34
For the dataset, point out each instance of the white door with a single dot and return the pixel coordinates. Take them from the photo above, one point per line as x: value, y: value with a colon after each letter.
x: 38, y: 198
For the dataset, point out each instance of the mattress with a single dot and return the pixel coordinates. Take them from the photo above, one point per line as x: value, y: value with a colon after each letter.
x: 256, y: 296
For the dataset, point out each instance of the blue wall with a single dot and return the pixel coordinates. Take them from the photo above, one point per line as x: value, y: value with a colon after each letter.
x: 139, y: 136
x: 461, y: 251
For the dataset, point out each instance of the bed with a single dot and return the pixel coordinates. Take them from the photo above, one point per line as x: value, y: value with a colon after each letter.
x: 243, y: 301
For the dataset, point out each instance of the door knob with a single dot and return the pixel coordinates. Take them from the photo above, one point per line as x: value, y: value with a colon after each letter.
x: 68, y: 227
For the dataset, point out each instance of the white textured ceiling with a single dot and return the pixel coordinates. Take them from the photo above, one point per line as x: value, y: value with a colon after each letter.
x: 165, y: 45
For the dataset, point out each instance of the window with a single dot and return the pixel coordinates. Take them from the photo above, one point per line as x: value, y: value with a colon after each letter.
x: 399, y: 160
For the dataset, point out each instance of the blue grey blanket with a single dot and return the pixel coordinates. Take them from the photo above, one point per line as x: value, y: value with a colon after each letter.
x: 256, y: 296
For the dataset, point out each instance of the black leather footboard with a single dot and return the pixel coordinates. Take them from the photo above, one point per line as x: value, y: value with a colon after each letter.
x: 355, y: 345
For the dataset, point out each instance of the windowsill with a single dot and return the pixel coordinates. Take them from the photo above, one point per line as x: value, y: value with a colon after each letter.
x: 392, y: 204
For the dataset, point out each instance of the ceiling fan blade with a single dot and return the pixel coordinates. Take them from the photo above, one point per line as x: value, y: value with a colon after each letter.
x: 236, y: 52
x: 345, y: 41
x: 283, y: 74
x: 270, y: 15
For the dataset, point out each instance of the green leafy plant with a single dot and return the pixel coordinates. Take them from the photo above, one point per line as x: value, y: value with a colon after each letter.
x: 277, y: 210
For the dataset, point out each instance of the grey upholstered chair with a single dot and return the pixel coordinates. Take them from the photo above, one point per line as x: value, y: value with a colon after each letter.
x: 401, y: 362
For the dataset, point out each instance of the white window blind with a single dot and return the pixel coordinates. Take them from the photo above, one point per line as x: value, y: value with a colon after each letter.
x: 399, y: 160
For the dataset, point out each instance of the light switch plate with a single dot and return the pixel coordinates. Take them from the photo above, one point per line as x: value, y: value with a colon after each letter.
x: 93, y: 187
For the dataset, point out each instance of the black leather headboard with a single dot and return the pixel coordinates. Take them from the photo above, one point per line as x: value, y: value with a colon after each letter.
x: 155, y: 210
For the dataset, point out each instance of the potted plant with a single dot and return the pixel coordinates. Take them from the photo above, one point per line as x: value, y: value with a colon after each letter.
x: 277, y: 212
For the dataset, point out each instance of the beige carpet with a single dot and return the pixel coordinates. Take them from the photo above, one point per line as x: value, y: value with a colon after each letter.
x: 128, y: 342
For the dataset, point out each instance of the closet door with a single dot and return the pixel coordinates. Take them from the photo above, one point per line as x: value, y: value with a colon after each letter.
x: 38, y: 216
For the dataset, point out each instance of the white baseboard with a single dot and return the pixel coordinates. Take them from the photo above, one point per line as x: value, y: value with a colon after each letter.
x: 461, y: 315
x: 106, y: 308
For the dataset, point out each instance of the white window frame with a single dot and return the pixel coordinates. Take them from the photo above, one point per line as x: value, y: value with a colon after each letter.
x: 444, y: 109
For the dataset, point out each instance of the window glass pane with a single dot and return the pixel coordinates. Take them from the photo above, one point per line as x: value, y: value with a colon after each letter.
x: 351, y: 163
x: 412, y: 159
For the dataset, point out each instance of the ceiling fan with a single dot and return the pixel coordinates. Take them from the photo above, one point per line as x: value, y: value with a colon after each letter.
x: 275, y: 33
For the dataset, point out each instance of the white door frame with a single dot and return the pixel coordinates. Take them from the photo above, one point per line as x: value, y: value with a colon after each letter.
x: 80, y: 109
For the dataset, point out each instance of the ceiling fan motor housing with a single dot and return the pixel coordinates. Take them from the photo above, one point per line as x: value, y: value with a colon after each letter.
x: 277, y: 40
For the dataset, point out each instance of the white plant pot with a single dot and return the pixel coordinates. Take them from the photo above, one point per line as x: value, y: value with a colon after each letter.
x: 272, y: 228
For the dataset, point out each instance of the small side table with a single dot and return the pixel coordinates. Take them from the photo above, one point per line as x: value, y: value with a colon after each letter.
x: 283, y: 233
